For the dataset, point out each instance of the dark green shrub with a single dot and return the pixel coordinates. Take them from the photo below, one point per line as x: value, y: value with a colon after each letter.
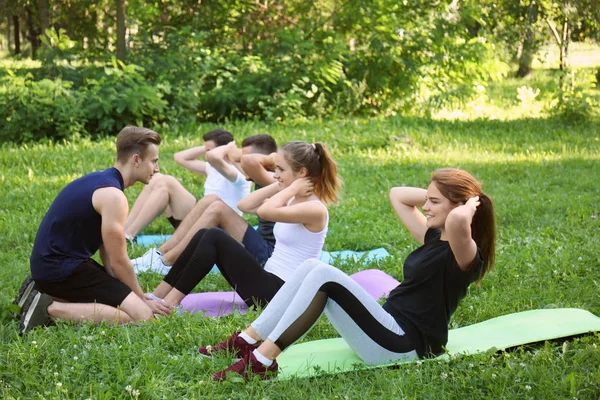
x: 120, y: 97
x: 31, y: 110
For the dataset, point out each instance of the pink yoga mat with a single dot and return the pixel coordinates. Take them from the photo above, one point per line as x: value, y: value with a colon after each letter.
x: 217, y: 304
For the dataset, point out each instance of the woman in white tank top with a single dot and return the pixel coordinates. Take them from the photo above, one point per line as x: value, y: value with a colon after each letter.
x: 307, y: 181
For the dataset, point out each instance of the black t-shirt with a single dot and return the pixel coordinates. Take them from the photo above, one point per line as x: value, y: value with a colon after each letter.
x: 265, y: 228
x: 433, y: 286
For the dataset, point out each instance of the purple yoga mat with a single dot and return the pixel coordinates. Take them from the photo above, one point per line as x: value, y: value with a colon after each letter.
x: 376, y: 282
x: 216, y: 304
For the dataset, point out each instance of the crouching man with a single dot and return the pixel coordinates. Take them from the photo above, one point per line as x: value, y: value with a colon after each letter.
x: 87, y: 216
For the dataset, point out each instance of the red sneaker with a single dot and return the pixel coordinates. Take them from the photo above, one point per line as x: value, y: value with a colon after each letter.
x: 235, y: 345
x: 247, y: 367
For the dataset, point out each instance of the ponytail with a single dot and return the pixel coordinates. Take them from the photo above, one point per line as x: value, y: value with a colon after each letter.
x: 328, y: 184
x: 320, y: 167
x: 483, y: 232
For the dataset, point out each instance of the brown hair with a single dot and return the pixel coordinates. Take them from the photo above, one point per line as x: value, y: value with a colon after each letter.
x: 261, y: 143
x: 320, y: 167
x: 458, y: 186
x: 135, y: 140
x: 220, y: 136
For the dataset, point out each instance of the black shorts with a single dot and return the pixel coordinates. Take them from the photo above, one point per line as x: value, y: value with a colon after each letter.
x: 256, y: 245
x: 88, y: 283
x: 174, y: 222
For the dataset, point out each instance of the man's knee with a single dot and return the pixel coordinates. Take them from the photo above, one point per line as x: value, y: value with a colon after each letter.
x: 208, y: 199
x: 157, y: 179
x: 217, y: 210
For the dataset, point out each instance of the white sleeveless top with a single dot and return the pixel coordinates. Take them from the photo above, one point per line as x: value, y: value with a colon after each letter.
x: 294, y: 244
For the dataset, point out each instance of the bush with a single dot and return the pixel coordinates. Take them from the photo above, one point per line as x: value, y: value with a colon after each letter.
x: 574, y: 102
x: 122, y: 96
x: 32, y: 110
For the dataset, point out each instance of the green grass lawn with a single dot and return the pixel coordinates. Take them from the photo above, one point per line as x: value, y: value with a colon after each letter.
x: 542, y: 174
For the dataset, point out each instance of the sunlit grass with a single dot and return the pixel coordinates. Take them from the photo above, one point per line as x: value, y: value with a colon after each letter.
x: 541, y: 172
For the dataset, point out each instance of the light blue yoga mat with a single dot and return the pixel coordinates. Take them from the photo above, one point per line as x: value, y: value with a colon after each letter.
x: 334, y: 356
x: 151, y: 240
x: 328, y: 257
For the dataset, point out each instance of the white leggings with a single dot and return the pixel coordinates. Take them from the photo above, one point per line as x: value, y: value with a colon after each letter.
x: 371, y: 332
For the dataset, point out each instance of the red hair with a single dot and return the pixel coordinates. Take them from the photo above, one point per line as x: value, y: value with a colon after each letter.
x: 458, y: 186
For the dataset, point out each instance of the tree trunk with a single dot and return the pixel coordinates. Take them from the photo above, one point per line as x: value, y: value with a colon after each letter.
x: 562, y: 42
x: 121, y: 45
x: 8, y: 38
x: 17, y: 32
x: 34, y: 31
x: 44, y: 13
x: 528, y: 52
x: 564, y: 46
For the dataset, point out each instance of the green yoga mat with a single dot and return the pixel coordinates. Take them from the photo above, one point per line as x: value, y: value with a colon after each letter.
x: 334, y: 355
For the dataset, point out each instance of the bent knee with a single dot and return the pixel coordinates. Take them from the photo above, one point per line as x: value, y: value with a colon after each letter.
x: 157, y: 179
x: 209, y: 199
x: 311, y: 264
x: 217, y: 207
x: 136, y: 308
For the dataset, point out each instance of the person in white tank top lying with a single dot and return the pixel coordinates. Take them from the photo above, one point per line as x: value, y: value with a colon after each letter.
x: 306, y: 181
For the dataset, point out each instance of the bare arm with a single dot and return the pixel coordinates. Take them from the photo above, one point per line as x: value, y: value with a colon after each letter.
x: 405, y: 201
x: 189, y: 159
x: 106, y: 261
x: 111, y: 204
x: 216, y: 159
x: 458, y: 230
x: 234, y: 154
x: 250, y: 203
x: 259, y: 168
x: 312, y: 215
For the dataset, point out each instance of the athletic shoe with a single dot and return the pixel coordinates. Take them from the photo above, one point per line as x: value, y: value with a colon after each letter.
x: 131, y: 239
x: 235, y: 345
x: 35, y: 311
x: 24, y: 291
x: 178, y: 310
x: 248, y: 367
x: 150, y: 261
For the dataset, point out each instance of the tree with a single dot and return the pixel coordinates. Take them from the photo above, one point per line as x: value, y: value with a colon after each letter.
x: 529, y: 43
x: 121, y: 44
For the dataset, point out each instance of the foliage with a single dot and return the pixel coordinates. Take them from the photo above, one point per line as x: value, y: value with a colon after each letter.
x: 33, y: 110
x: 541, y: 173
x: 574, y: 103
x: 122, y: 97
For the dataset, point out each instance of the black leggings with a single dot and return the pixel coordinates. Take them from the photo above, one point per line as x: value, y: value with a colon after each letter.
x: 241, y: 270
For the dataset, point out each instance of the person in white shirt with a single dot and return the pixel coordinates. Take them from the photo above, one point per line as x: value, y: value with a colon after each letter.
x: 255, y: 158
x: 165, y: 194
x: 307, y: 180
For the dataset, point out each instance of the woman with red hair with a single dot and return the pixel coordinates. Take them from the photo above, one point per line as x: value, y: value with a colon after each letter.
x: 456, y: 231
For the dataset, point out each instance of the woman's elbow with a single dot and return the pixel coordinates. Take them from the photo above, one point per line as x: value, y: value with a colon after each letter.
x: 263, y: 212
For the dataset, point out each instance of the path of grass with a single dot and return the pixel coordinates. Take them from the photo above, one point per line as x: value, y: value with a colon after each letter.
x: 542, y: 174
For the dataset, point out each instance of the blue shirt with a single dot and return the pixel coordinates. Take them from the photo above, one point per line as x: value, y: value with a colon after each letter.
x: 70, y: 232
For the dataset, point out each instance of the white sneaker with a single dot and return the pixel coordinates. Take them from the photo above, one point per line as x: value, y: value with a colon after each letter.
x: 152, y: 296
x: 150, y: 261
